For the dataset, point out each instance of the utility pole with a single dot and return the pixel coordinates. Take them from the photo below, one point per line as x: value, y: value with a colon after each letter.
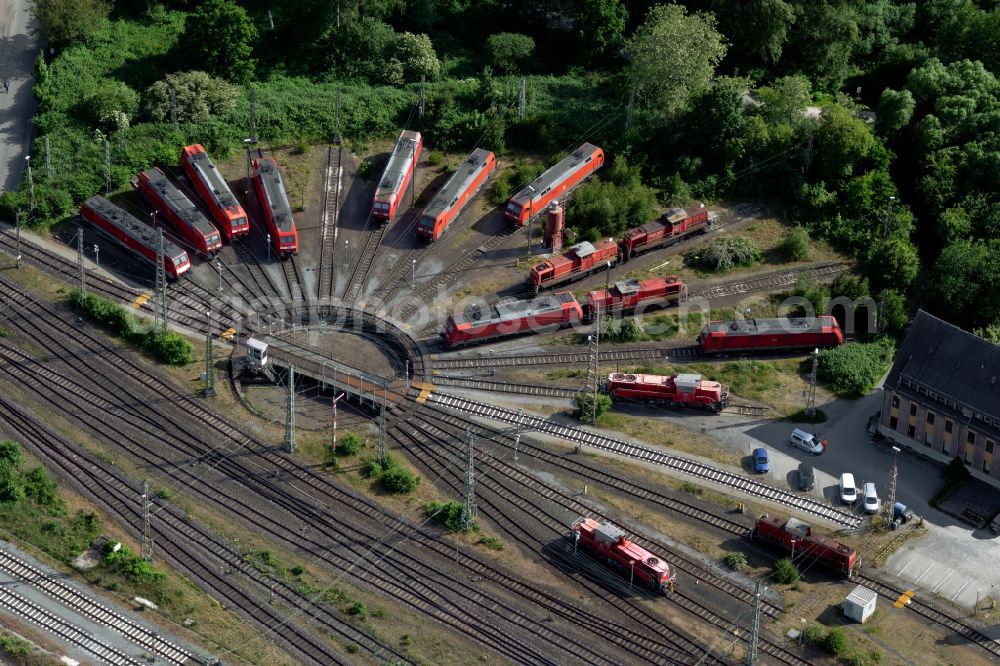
x: 811, y: 391
x: 886, y: 231
x: 890, y: 502
x: 48, y: 163
x: 290, y: 412
x: 209, y: 362
x: 17, y: 240
x: 630, y: 110
x: 809, y: 154
x: 593, y: 368
x: 31, y: 183
x: 121, y: 132
x: 755, y: 627
x: 253, y: 114
x: 147, y: 539
x: 469, y: 506
x: 420, y: 112
x: 173, y: 109
x: 107, y: 167
x: 79, y: 262
x: 522, y: 99
x: 334, y: 444
x: 160, y: 312
x: 382, y: 452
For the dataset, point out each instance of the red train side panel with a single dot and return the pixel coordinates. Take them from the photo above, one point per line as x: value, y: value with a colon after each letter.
x: 227, y: 212
x: 277, y: 211
x: 134, y: 234
x: 675, y: 390
x: 580, y: 261
x: 610, y: 544
x: 625, y: 296
x: 477, y: 324
x: 673, y: 226
x: 181, y: 212
x: 450, y: 200
x: 797, y: 536
x: 783, y: 333
x: 559, y: 179
x: 397, y: 174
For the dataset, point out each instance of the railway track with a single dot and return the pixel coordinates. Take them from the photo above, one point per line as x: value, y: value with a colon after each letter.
x: 505, y: 387
x: 621, y: 447
x: 566, y: 358
x: 293, y: 280
x: 769, y: 281
x: 364, y: 265
x: 330, y: 220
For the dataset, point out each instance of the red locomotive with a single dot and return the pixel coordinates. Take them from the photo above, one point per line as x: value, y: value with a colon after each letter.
x: 448, y: 203
x: 798, y: 537
x: 277, y: 212
x: 610, y: 544
x: 561, y: 178
x: 503, y: 319
x: 674, y: 391
x: 181, y: 212
x: 672, y: 227
x: 214, y: 191
x: 580, y: 261
x: 763, y: 334
x: 624, y: 297
x: 134, y: 234
x: 397, y: 174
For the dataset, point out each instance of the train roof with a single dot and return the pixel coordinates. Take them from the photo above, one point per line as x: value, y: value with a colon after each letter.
x: 627, y: 287
x: 134, y: 228
x: 274, y: 189
x: 501, y: 312
x: 688, y: 381
x: 179, y: 203
x: 771, y: 326
x: 459, y: 182
x: 399, y: 163
x: 555, y: 174
x: 206, y: 169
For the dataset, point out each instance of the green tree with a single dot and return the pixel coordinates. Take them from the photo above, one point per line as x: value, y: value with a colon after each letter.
x: 10, y: 453
x: 965, y: 284
x: 63, y: 22
x: 673, y: 56
x: 893, y: 313
x: 785, y: 571
x: 729, y: 252
x: 795, y: 245
x: 846, y: 146
x: 785, y: 99
x: 758, y: 27
x: 507, y: 50
x: 400, y: 480
x: 807, y: 288
x: 110, y: 98
x: 852, y: 369
x: 348, y: 444
x: 416, y: 56
x: 850, y: 286
x: 893, y: 263
x: 990, y: 332
x: 600, y: 24
x: 895, y: 109
x: 219, y: 37
x: 200, y: 96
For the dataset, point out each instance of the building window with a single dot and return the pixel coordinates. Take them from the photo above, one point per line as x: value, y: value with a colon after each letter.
x: 970, y: 451
x: 895, y: 400
x: 928, y: 436
x: 893, y: 422
x: 989, y: 446
x: 930, y: 418
x: 970, y: 439
x: 947, y: 426
x: 911, y: 431
x: 913, y: 409
x: 986, y: 465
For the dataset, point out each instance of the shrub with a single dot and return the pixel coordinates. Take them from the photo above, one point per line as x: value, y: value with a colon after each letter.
x: 163, y: 494
x: 508, y: 49
x: 628, y: 329
x: 358, y: 609
x: 852, y: 369
x: 200, y: 96
x: 609, y: 207
x: 400, y: 480
x: 348, y: 444
x: 808, y: 289
x: 814, y: 634
x: 15, y: 646
x: 785, y: 571
x: 371, y: 468
x: 835, y: 642
x: 513, y: 179
x: 735, y: 560
x: 365, y: 168
x: 297, y: 570
x: 169, y: 347
x: 730, y: 252
x: 492, y: 542
x: 585, y: 406
x: 795, y: 245
x: 447, y: 514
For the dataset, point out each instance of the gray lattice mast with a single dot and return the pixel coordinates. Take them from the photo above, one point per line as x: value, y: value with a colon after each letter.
x: 173, y: 109
x: 522, y: 99
x: 17, y: 240
x: 755, y: 627
x: 253, y: 113
x: 421, y: 107
x: 209, y: 363
x: 629, y: 112
x: 121, y: 132
x: 147, y: 539
x: 469, y: 505
x: 595, y: 360
x: 160, y: 311
x: 79, y: 262
x: 48, y: 162
x: 290, y: 412
x: 382, y: 452
x: 886, y: 230
x: 890, y: 502
x: 107, y: 167
x: 811, y: 391
x: 31, y: 184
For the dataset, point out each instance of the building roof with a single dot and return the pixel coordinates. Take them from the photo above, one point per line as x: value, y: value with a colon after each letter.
x: 945, y: 359
x: 862, y: 596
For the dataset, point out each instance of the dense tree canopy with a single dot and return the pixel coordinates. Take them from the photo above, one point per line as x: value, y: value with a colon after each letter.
x: 63, y: 22
x: 220, y: 38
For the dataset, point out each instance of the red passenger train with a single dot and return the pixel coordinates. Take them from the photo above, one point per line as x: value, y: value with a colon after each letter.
x: 675, y: 390
x: 477, y: 323
x: 763, y: 334
x: 227, y: 212
x: 672, y: 226
x: 134, y: 234
x: 274, y: 202
x: 798, y: 537
x: 463, y: 184
x: 396, y: 176
x: 185, y: 217
x: 561, y: 178
x: 625, y: 296
x: 609, y: 544
x: 580, y: 261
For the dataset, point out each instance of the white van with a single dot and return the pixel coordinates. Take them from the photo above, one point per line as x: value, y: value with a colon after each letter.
x: 870, y: 497
x: 806, y: 441
x: 848, y: 491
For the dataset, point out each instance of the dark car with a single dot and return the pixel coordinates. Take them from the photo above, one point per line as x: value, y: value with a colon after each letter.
x: 807, y: 478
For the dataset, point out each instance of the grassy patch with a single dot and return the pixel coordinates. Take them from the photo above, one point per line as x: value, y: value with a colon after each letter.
x: 492, y: 542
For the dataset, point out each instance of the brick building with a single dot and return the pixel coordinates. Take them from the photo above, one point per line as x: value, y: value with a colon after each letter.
x: 942, y: 396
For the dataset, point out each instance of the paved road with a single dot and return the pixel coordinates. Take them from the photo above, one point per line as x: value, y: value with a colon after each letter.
x: 18, y: 50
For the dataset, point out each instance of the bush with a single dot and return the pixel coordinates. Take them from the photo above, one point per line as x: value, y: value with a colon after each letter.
x: 735, y: 560
x: 447, y: 514
x: 297, y: 570
x: 835, y: 642
x: 585, y: 406
x: 492, y: 542
x: 15, y: 646
x: 508, y: 49
x: 730, y: 252
x: 169, y: 347
x: 365, y: 168
x: 785, y: 571
x: 852, y: 369
x: 808, y: 289
x: 795, y: 245
x: 814, y: 634
x: 628, y: 329
x: 400, y: 480
x: 358, y: 609
x: 200, y: 97
x: 371, y: 468
x: 511, y: 180
x: 348, y: 444
x: 609, y: 207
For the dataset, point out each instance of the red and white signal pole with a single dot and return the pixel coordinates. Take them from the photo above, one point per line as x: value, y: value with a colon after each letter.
x: 335, y: 401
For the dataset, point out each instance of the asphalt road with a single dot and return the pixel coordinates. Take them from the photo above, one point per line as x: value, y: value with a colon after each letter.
x: 18, y: 50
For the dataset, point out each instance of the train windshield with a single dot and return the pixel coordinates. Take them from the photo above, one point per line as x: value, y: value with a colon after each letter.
x: 514, y: 208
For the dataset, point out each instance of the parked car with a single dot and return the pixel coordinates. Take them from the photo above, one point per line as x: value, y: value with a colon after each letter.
x: 806, y: 441
x: 760, y: 464
x: 807, y: 478
x: 870, y: 497
x: 848, y: 491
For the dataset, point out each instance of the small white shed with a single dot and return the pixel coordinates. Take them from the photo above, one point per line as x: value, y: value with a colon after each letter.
x: 860, y: 604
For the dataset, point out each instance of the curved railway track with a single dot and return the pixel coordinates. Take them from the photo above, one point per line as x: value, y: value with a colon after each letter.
x: 358, y: 276
x: 565, y: 358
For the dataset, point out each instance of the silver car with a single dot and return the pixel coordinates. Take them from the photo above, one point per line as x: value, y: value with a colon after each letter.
x: 806, y: 441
